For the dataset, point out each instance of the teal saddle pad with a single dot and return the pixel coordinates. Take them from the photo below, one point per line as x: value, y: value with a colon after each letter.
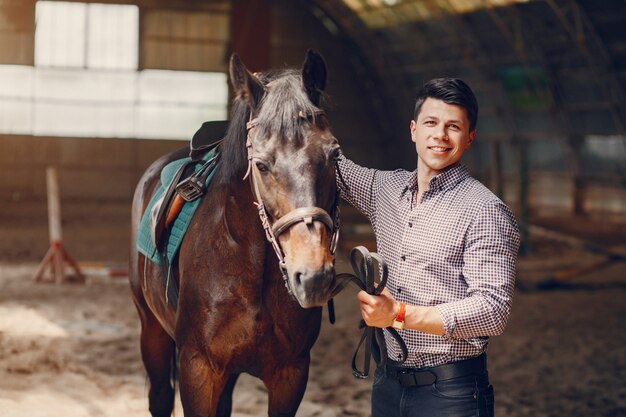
x: 179, y: 227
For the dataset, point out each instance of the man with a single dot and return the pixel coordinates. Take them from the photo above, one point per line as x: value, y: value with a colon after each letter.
x: 451, y: 247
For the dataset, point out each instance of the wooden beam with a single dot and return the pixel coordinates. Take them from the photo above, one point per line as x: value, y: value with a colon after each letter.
x: 251, y: 29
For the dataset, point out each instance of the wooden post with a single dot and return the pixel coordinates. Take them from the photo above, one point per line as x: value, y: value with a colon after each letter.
x: 576, y: 143
x: 524, y: 180
x: 54, y: 205
x: 496, y: 169
x: 56, y: 255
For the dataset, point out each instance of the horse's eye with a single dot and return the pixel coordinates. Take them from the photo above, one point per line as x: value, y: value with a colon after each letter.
x: 262, y: 167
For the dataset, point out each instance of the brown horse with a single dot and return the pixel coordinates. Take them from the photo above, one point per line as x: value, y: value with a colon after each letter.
x: 239, y: 309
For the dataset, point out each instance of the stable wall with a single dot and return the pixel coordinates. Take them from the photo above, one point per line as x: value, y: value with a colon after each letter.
x: 98, y: 176
x: 89, y: 169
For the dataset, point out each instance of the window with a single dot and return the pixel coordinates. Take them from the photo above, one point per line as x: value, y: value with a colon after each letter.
x: 85, y: 81
x: 86, y: 35
x: 603, y: 157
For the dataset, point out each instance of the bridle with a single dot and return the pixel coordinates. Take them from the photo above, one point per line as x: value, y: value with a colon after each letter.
x: 302, y: 214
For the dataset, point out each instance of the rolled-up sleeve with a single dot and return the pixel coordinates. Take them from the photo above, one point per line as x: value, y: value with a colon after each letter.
x: 489, y: 259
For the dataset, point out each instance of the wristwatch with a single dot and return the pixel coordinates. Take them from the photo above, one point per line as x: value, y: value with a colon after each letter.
x: 398, y: 321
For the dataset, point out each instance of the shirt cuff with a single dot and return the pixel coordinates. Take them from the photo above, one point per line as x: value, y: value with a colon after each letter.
x: 449, y: 320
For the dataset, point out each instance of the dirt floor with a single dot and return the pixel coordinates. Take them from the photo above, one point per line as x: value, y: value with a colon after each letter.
x: 72, y: 350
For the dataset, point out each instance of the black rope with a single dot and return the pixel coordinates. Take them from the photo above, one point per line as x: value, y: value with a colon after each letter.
x: 372, y: 338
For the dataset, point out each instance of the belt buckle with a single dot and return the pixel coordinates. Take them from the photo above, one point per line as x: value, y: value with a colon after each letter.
x: 190, y: 189
x: 416, y: 378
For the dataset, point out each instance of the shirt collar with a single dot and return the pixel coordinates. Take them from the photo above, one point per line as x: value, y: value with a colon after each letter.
x: 442, y: 182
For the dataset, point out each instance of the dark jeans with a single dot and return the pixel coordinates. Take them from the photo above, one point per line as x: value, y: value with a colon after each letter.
x: 470, y: 396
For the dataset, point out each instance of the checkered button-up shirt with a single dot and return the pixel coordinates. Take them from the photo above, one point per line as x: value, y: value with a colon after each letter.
x: 455, y: 250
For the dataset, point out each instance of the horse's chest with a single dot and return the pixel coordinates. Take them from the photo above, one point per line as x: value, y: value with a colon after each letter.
x: 254, y: 334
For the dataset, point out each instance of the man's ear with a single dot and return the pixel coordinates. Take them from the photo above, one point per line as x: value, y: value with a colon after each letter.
x: 471, y: 137
x: 412, y: 127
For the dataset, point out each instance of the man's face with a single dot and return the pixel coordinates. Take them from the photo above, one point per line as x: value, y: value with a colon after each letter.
x: 441, y: 135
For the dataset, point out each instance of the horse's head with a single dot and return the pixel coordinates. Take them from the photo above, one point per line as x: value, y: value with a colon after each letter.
x: 292, y: 153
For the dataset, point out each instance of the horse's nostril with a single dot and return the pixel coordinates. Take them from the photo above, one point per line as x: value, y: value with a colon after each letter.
x: 298, y: 278
x: 313, y: 280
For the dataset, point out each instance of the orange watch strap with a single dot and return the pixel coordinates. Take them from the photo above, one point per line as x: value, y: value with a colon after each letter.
x: 401, y: 313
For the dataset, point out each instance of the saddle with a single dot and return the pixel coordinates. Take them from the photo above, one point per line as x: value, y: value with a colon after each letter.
x: 188, y: 184
x: 206, y: 138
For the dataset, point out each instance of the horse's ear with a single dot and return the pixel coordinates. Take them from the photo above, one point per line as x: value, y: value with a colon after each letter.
x: 244, y: 83
x: 314, y: 75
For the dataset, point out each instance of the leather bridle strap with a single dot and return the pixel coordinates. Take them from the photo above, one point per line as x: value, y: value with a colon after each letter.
x: 303, y: 214
x: 372, y: 337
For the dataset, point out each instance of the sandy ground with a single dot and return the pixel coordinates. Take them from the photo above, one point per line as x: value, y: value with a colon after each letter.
x: 72, y: 350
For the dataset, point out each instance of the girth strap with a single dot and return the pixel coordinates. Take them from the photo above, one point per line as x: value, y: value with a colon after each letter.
x: 372, y: 337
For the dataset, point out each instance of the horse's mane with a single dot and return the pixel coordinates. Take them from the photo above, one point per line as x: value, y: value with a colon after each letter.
x: 233, y: 156
x: 280, y: 109
x: 278, y: 115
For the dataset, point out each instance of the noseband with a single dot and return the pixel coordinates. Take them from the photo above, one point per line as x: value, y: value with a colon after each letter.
x: 308, y: 215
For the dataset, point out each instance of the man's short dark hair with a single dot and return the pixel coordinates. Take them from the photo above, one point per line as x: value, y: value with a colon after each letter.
x: 450, y: 91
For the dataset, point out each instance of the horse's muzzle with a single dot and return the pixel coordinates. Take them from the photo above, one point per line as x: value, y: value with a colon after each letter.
x: 313, y: 287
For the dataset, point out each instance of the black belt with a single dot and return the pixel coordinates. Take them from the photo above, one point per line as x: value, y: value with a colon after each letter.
x: 412, y: 377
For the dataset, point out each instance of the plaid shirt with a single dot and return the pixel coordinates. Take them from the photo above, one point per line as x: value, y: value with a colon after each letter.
x: 456, y: 250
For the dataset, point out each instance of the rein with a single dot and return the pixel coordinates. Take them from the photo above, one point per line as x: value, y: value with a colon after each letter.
x: 302, y: 214
x: 372, y: 337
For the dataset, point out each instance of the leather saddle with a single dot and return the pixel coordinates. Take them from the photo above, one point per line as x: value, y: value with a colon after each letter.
x: 187, y: 184
x: 207, y: 137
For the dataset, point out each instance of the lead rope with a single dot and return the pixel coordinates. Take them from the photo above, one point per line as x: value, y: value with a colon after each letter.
x: 334, y: 240
x: 372, y: 337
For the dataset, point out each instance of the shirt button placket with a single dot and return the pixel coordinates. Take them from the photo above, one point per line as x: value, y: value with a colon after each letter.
x: 405, y: 241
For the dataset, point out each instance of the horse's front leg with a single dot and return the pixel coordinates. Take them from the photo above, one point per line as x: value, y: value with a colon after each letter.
x: 286, y: 387
x: 200, y: 385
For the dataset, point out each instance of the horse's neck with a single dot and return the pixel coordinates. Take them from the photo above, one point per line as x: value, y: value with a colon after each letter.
x: 242, y: 195
x: 234, y: 204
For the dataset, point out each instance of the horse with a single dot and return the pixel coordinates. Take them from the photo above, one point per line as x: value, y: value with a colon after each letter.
x: 257, y: 262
